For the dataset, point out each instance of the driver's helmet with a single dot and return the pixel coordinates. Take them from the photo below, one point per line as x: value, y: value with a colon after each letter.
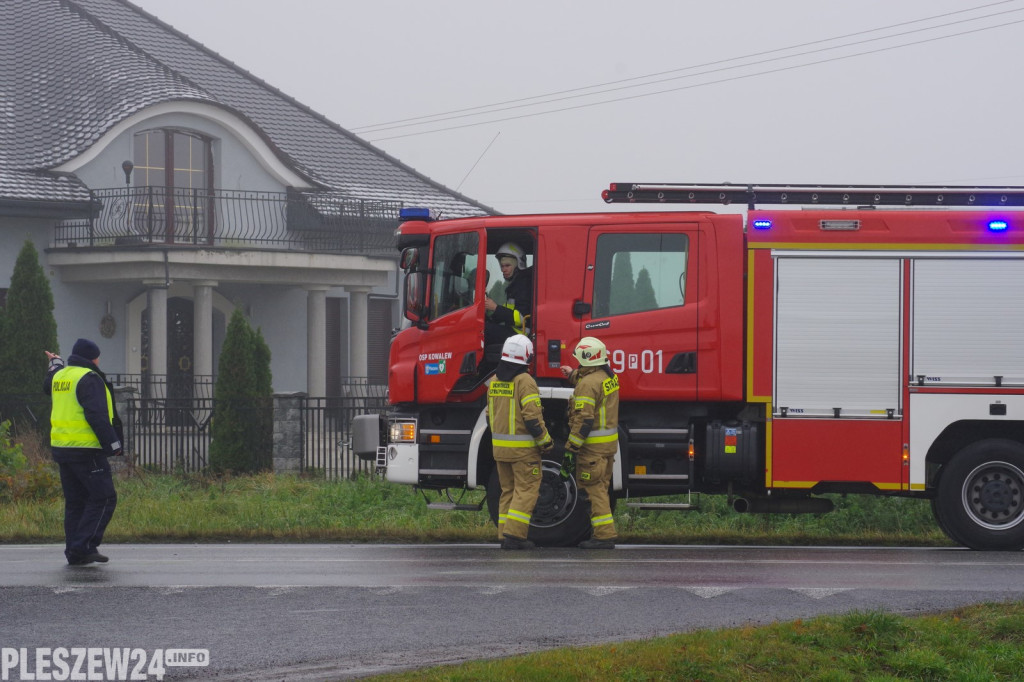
x: 515, y: 251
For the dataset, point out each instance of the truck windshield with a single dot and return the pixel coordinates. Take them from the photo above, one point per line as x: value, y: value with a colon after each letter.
x: 454, y: 265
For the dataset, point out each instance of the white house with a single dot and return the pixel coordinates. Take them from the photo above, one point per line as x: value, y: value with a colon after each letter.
x: 165, y: 186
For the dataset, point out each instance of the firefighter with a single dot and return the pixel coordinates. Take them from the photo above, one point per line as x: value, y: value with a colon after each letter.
x: 593, y: 435
x: 519, y: 439
x: 512, y: 316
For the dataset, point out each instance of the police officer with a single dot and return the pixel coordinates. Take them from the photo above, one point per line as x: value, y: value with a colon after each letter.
x: 519, y: 438
x: 83, y: 435
x: 594, y: 435
x: 510, y: 317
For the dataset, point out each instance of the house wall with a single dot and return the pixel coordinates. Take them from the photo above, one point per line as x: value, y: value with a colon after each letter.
x: 76, y: 309
x: 280, y: 311
x: 235, y: 167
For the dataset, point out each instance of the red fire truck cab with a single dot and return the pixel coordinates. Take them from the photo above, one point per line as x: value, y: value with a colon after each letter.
x: 851, y: 340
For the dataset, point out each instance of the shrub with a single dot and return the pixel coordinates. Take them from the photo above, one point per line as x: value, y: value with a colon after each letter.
x: 240, y: 437
x: 25, y: 475
x: 12, y: 458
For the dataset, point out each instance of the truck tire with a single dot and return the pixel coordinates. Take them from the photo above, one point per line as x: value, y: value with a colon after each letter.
x: 980, y: 500
x: 562, y: 515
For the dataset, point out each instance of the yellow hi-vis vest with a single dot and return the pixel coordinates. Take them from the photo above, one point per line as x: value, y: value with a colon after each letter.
x: 518, y: 320
x: 68, y: 427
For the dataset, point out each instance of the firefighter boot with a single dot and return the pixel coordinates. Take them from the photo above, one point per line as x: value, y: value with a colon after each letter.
x: 512, y: 542
x: 594, y: 543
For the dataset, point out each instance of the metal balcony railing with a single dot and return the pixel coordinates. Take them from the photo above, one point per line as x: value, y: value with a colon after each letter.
x: 234, y: 219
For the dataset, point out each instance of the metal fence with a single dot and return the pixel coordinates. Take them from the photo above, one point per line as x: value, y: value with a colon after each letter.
x: 168, y: 434
x: 307, y: 221
x: 165, y: 386
x: 173, y: 434
x: 26, y: 411
x: 327, y: 431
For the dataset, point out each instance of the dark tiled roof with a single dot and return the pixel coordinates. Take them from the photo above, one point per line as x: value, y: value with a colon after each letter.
x: 18, y: 185
x: 65, y: 81
x: 71, y: 69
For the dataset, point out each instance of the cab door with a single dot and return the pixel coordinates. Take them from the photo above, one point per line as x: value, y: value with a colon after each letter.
x: 642, y: 287
x: 451, y: 345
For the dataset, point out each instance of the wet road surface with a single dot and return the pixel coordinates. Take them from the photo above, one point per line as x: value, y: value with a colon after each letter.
x: 314, y: 612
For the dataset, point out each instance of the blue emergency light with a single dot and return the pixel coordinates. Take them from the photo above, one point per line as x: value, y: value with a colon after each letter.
x: 762, y: 224
x: 414, y: 213
x: 998, y: 225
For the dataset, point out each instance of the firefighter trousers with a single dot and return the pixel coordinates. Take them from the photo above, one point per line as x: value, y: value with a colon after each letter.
x: 594, y: 475
x: 520, y: 486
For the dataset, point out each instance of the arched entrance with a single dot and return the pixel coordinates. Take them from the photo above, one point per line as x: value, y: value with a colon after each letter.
x: 180, y: 354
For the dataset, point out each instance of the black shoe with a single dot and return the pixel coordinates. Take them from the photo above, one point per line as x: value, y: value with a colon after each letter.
x: 512, y: 542
x: 94, y: 558
x: 594, y: 543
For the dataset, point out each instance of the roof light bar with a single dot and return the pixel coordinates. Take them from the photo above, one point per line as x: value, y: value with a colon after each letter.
x: 415, y: 213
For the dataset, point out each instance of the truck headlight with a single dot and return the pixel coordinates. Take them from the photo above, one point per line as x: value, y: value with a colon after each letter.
x: 402, y: 431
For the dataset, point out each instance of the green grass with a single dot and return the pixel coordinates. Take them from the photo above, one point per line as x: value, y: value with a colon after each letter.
x: 984, y: 642
x: 200, y: 508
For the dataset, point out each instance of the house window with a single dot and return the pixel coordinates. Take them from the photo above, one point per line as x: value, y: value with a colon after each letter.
x: 173, y: 181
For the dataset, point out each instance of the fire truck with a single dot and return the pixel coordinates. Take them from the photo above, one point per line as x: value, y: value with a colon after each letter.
x: 806, y: 340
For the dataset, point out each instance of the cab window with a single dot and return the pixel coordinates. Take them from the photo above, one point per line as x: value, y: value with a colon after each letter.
x: 639, y: 272
x: 455, y: 261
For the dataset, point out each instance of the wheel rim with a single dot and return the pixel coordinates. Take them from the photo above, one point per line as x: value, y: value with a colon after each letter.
x: 557, y: 498
x: 992, y: 495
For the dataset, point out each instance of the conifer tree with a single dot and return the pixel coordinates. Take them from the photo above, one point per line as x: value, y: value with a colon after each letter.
x: 27, y: 327
x: 233, y: 430
x: 643, y: 293
x: 264, y: 445
x: 620, y: 298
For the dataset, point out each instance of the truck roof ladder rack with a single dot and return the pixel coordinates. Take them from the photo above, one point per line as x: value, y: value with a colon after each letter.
x: 802, y: 195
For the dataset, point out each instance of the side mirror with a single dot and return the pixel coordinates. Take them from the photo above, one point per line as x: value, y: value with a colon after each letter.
x: 410, y: 258
x: 415, y: 296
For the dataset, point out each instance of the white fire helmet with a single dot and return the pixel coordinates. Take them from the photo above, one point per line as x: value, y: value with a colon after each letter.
x: 590, y: 352
x: 515, y: 251
x: 517, y: 349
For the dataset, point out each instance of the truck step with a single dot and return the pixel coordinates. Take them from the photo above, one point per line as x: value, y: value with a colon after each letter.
x: 451, y: 506
x: 680, y: 506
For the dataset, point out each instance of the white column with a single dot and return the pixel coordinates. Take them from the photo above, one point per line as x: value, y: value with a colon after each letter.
x: 357, y: 321
x: 158, y: 332
x: 202, y: 333
x: 316, y: 341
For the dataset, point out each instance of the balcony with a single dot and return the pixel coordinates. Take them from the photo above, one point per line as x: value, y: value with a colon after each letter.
x: 320, y: 222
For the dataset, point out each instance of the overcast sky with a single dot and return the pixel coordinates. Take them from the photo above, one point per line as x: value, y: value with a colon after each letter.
x: 787, y: 91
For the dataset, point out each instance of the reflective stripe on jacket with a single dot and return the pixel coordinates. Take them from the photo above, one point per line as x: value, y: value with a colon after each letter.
x: 510, y: 404
x: 68, y: 426
x: 594, y: 412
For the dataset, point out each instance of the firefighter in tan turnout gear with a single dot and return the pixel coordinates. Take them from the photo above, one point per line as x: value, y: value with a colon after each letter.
x: 594, y: 435
x: 519, y: 439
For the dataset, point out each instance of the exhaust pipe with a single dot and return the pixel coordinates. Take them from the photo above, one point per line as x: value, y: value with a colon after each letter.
x: 783, y: 505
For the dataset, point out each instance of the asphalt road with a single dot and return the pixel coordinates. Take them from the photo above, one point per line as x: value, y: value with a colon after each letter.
x: 316, y: 612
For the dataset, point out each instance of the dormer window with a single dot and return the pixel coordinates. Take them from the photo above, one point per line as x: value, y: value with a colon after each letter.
x: 173, y: 181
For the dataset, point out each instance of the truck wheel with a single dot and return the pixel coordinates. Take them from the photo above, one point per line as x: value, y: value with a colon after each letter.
x: 561, y: 517
x: 980, y: 501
